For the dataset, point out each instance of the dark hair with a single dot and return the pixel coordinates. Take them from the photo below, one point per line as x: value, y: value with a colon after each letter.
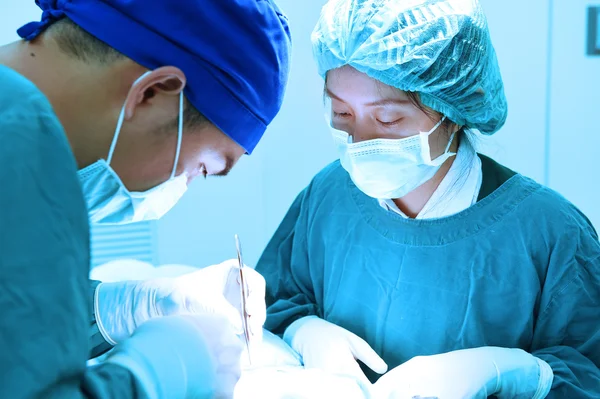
x: 75, y: 42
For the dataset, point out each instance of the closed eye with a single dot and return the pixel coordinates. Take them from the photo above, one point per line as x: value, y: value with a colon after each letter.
x: 341, y: 114
x: 392, y: 123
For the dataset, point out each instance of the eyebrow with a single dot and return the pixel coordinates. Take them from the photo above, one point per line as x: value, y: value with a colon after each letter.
x: 229, y: 162
x: 388, y: 101
x: 378, y: 103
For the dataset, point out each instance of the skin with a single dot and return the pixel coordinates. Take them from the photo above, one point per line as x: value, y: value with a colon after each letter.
x: 88, y: 98
x: 368, y: 109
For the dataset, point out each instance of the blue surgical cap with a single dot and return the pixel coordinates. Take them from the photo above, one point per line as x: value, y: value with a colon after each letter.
x: 235, y: 53
x: 438, y: 48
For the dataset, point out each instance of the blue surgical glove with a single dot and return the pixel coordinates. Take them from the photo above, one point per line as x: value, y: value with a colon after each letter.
x: 120, y: 307
x: 469, y: 373
x: 328, y: 347
x: 183, y: 357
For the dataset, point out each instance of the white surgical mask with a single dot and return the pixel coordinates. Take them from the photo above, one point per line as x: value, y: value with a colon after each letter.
x: 109, y: 201
x: 390, y: 168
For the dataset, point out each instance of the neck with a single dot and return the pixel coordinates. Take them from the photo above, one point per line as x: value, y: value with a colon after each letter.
x: 77, y: 91
x: 413, y: 203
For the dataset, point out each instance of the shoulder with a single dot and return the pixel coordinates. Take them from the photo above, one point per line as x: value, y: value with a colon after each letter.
x: 560, y: 214
x: 546, y: 206
x: 327, y: 188
x: 572, y: 249
x: 538, y: 201
x: 29, y: 128
x: 18, y: 92
x: 330, y: 177
x: 22, y: 104
x: 15, y: 83
x: 34, y: 151
x: 551, y: 223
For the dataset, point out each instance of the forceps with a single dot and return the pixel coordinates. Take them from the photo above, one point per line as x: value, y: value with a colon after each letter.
x: 244, y: 296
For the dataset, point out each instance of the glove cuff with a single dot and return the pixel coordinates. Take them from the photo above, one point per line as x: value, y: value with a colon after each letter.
x: 522, y: 374
x: 113, y: 306
x: 98, y: 318
x: 290, y: 332
x: 545, y: 381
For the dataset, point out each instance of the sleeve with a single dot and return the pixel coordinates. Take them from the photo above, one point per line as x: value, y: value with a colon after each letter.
x: 98, y: 344
x: 44, y: 265
x: 286, y: 269
x: 567, y: 331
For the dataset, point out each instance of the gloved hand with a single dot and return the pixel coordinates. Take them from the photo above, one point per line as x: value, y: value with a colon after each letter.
x: 326, y: 346
x: 121, y: 307
x: 183, y: 357
x: 469, y: 373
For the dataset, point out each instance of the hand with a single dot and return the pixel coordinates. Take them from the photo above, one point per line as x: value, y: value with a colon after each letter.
x: 325, y: 346
x: 226, y: 276
x: 183, y: 357
x: 469, y: 373
x: 121, y: 307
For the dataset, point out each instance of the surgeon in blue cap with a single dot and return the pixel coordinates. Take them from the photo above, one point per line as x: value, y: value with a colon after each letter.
x: 108, y: 109
x: 443, y: 272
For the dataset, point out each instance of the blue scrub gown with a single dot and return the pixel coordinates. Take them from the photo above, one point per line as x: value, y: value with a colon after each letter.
x: 44, y: 258
x: 519, y: 269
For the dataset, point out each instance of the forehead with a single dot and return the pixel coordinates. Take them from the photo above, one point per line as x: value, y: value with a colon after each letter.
x: 347, y: 83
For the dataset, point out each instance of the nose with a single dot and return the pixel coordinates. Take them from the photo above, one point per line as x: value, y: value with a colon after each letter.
x: 362, y: 130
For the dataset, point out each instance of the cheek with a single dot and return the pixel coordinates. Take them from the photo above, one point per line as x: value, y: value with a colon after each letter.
x: 213, y: 161
x: 189, y: 163
x: 207, y: 149
x: 195, y: 157
x: 190, y: 155
x: 144, y: 163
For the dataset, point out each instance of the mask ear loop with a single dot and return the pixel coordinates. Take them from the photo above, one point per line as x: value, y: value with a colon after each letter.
x: 449, y: 143
x: 111, y: 151
x: 179, y: 135
x: 425, y: 150
x: 116, y: 135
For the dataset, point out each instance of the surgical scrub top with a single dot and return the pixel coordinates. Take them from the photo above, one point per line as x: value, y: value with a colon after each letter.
x: 44, y: 258
x: 519, y: 269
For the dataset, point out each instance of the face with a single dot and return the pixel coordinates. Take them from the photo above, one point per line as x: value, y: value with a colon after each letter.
x: 146, y: 147
x: 368, y: 109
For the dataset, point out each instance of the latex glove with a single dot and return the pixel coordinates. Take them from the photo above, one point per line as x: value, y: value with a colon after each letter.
x: 183, y: 357
x: 469, y: 373
x: 326, y: 346
x: 121, y: 307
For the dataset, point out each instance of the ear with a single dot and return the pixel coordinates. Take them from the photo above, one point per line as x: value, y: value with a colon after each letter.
x: 168, y: 80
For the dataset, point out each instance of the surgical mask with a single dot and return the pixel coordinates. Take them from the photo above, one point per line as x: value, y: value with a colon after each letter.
x: 110, y: 202
x: 390, y: 168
